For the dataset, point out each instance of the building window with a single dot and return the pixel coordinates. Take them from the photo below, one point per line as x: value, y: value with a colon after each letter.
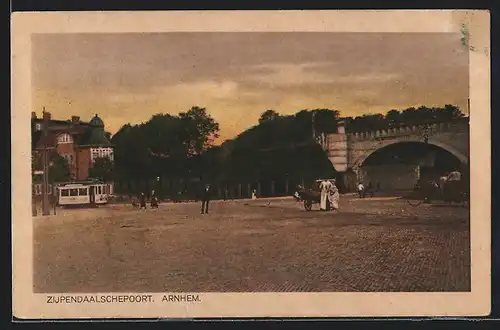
x: 94, y: 154
x: 64, y: 138
x: 101, y: 153
x: 38, y: 126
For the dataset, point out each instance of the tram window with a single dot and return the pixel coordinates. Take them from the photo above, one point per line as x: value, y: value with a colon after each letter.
x: 73, y: 192
x: 82, y: 192
x: 64, y: 192
x: 99, y: 190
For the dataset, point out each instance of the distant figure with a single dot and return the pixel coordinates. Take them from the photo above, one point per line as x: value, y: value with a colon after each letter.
x: 296, y: 195
x: 333, y: 197
x: 226, y: 194
x: 154, y: 200
x: 361, y: 190
x: 442, y: 182
x: 453, y: 183
x: 205, y: 198
x: 142, y: 201
x: 324, y: 187
x: 378, y: 186
x: 254, y: 194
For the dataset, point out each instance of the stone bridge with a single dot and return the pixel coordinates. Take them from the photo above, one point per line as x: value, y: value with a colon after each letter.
x: 348, y: 151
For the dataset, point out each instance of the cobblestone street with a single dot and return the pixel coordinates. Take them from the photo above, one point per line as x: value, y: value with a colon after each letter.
x: 378, y: 244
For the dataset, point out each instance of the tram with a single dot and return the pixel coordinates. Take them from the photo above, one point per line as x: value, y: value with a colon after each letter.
x: 83, y: 193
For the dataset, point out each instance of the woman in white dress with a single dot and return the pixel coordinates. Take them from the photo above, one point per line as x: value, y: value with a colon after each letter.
x: 323, y: 198
x: 334, y: 197
x: 325, y: 187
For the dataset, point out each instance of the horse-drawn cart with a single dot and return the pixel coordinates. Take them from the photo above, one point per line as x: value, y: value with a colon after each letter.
x: 430, y: 191
x: 308, y: 197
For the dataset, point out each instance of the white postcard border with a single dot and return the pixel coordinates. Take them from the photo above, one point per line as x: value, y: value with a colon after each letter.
x: 26, y: 304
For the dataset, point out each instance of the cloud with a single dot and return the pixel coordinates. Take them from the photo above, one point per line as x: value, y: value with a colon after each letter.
x: 236, y: 76
x: 291, y: 75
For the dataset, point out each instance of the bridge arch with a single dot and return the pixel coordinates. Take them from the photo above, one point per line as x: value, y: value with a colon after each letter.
x: 400, y: 164
x: 458, y: 154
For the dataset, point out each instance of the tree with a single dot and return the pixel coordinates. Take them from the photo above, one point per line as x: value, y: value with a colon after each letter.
x: 452, y: 111
x: 268, y: 115
x: 58, y: 169
x: 199, y: 128
x: 410, y: 116
x: 165, y: 145
x: 393, y: 116
x: 102, y: 169
x: 280, y: 147
x: 325, y: 120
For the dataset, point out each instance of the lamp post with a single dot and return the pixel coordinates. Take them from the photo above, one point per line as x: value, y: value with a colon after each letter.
x: 158, y: 187
x: 45, y: 182
x: 313, y: 125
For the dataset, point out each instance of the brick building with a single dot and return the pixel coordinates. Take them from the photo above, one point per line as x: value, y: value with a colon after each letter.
x: 77, y: 141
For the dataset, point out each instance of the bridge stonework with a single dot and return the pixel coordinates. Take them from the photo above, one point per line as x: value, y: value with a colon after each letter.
x: 348, y: 150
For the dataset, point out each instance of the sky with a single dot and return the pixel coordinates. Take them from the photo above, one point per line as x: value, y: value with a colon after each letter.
x: 127, y: 78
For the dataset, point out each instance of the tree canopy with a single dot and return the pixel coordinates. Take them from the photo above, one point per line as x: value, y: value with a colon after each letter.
x: 102, y: 169
x: 58, y: 168
x: 165, y: 144
x: 277, y: 147
x: 407, y: 116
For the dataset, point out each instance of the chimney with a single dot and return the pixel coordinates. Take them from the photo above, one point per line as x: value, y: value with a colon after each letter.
x: 46, y: 115
x: 33, y: 115
x: 75, y: 119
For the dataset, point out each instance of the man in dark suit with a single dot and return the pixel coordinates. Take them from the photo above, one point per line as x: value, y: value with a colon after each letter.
x: 205, y: 198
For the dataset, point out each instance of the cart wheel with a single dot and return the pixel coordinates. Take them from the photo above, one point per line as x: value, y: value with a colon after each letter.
x: 414, y: 202
x: 308, y: 205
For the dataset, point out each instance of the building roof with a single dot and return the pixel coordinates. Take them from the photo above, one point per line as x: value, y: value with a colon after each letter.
x: 96, y: 121
x: 95, y: 136
x: 84, y: 134
x: 49, y: 141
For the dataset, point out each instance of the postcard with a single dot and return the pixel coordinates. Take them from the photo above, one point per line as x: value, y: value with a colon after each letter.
x: 210, y: 164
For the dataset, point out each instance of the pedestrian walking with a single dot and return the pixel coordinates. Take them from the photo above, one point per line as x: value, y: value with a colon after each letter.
x: 324, y: 187
x: 142, y: 201
x: 254, y: 194
x: 361, y: 190
x: 154, y: 200
x: 334, y: 196
x: 205, y: 198
x: 442, y: 182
